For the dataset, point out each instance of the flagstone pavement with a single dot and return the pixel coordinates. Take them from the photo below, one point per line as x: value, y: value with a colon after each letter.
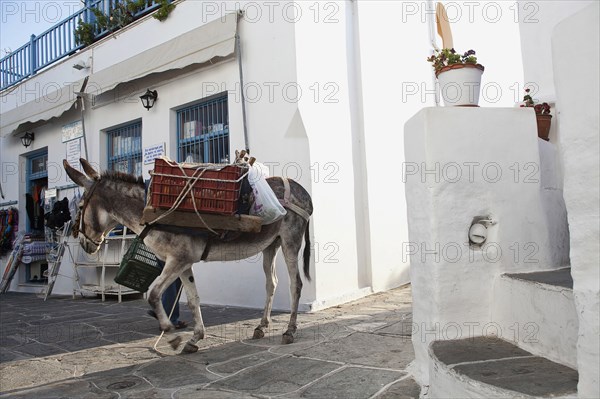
x: 86, y: 348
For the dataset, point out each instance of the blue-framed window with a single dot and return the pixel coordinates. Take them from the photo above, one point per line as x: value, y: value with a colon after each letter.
x: 203, y: 132
x: 125, y: 149
x: 38, y: 166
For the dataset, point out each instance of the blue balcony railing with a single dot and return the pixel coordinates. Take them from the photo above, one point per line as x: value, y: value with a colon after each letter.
x: 57, y: 42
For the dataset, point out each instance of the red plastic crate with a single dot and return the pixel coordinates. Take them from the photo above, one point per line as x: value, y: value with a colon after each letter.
x: 217, y: 190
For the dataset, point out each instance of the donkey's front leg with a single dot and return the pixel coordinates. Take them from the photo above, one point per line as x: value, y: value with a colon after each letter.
x: 271, y: 283
x: 187, y: 278
x: 166, y: 278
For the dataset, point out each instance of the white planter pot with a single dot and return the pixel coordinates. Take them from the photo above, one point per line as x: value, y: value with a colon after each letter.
x: 460, y: 84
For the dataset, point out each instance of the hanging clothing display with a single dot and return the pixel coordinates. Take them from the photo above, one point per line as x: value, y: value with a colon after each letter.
x: 35, y: 207
x: 9, y: 223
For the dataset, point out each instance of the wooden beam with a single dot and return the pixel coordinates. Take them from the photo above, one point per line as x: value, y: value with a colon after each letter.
x: 245, y: 223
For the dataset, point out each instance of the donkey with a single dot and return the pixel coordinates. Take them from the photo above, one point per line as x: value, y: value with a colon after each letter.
x: 114, y: 198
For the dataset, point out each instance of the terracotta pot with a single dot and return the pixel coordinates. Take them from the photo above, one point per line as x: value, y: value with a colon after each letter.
x: 543, y: 125
x: 460, y: 84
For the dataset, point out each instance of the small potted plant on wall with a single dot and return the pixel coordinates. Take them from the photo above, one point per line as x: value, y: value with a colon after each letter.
x: 542, y: 115
x: 459, y: 76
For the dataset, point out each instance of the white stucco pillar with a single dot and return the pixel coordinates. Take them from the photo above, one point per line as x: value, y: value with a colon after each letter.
x: 464, y: 163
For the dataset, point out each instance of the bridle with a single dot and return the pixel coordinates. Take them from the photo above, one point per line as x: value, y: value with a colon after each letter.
x: 80, y: 229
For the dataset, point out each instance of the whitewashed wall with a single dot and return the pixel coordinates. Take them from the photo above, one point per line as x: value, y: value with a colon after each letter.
x: 577, y: 91
x: 397, y: 82
x: 536, y: 23
x: 563, y: 30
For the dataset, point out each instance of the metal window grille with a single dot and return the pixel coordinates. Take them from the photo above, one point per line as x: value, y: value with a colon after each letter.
x: 203, y: 132
x: 125, y: 149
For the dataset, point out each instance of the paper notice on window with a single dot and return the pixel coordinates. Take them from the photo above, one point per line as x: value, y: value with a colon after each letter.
x: 152, y: 152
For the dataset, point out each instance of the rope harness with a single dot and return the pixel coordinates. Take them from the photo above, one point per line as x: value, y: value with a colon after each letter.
x: 79, y: 226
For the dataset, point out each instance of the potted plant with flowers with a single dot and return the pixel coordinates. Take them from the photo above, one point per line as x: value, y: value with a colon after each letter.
x: 459, y: 76
x: 542, y: 115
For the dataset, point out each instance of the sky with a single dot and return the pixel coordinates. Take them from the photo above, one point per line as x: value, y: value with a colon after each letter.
x: 19, y: 19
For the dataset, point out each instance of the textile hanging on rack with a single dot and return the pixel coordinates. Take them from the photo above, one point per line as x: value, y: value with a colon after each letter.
x: 59, y: 215
x: 34, y: 249
x: 35, y: 211
x: 74, y: 204
x: 9, y: 223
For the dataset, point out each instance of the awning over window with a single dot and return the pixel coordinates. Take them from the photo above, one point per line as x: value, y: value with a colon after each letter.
x: 50, y: 106
x: 214, y: 39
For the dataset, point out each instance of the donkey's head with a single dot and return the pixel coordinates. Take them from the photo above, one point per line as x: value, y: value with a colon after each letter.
x: 93, y: 220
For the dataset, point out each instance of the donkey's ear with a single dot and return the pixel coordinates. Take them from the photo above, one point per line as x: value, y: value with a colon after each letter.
x: 79, y: 178
x: 89, y: 170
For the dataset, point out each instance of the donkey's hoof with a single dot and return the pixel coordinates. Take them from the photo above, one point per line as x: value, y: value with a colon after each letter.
x: 258, y: 333
x: 287, y: 338
x: 175, y: 342
x: 190, y: 348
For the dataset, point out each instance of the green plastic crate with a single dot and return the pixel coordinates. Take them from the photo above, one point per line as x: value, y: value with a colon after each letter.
x: 139, y: 267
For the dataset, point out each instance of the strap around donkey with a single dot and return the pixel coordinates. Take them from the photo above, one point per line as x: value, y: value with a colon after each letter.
x: 288, y: 204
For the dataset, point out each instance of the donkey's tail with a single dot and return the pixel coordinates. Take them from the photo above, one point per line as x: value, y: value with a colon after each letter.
x: 306, y: 253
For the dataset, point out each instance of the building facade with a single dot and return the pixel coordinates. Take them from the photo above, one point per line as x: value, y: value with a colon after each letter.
x: 209, y: 63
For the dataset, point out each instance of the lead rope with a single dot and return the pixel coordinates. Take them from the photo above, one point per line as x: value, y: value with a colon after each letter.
x: 155, y: 347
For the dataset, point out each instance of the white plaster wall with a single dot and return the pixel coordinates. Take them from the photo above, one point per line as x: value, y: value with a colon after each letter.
x: 536, y: 23
x: 554, y: 231
x: 539, y: 318
x: 452, y: 284
x: 397, y: 82
x: 383, y: 73
x: 577, y: 92
x: 321, y: 62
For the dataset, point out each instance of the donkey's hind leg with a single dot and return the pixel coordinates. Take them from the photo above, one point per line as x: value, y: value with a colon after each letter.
x: 271, y: 284
x: 187, y: 278
x: 290, y: 251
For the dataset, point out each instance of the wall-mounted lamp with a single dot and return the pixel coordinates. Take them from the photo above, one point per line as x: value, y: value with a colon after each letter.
x: 149, y: 98
x: 27, y: 139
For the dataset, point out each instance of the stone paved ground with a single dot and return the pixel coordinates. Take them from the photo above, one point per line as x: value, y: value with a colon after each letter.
x: 85, y: 348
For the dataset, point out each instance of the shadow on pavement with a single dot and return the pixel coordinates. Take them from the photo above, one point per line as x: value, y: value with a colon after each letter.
x: 31, y: 327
